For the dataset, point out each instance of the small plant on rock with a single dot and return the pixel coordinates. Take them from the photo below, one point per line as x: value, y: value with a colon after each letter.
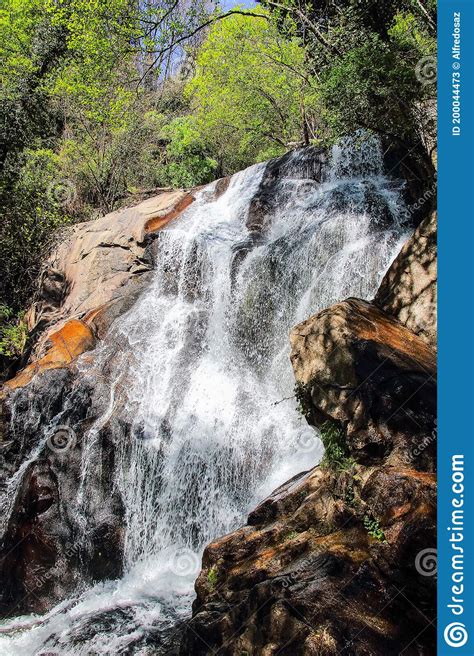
x: 212, y: 577
x: 336, y: 455
x: 349, y: 496
x: 373, y: 528
x: 13, y: 333
x: 303, y: 398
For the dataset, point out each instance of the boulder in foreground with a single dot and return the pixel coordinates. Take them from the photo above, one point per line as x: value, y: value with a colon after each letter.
x: 358, y: 367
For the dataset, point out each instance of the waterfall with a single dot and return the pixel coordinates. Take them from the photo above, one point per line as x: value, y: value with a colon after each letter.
x: 195, y: 386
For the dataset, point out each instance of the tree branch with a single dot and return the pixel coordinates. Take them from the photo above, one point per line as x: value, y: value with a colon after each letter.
x: 312, y: 26
x: 214, y: 19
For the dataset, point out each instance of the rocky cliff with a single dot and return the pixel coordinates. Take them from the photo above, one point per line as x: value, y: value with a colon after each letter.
x: 341, y: 559
x: 408, y: 291
x: 96, y: 273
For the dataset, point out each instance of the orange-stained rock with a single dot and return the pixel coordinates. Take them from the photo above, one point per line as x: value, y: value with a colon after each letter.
x: 63, y: 346
x: 163, y: 217
x: 101, y: 266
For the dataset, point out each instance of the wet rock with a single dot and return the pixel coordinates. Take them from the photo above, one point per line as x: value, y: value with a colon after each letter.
x: 221, y: 186
x: 409, y: 162
x: 62, y: 347
x: 408, y: 290
x: 311, y: 163
x: 100, y: 264
x: 163, y: 212
x: 45, y: 555
x: 314, y: 579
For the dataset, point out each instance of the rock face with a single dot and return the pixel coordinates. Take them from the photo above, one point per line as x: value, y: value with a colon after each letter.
x: 313, y: 167
x: 100, y: 267
x: 62, y: 347
x: 333, y: 568
x: 357, y: 366
x: 93, y: 276
x: 341, y: 559
x: 408, y: 290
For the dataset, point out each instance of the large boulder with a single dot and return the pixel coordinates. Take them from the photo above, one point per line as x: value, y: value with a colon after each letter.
x: 95, y: 273
x: 333, y: 561
x: 408, y: 290
x: 360, y: 368
x: 98, y: 269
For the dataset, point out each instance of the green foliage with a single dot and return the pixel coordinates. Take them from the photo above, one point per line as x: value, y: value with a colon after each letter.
x: 250, y: 91
x: 34, y: 207
x: 13, y: 333
x: 74, y: 113
x: 371, y: 86
x: 212, y: 577
x: 364, y: 54
x: 336, y: 454
x: 188, y: 163
x: 349, y: 496
x: 303, y: 398
x: 373, y: 528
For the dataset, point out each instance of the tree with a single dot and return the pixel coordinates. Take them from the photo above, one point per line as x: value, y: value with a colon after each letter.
x: 251, y: 94
x: 367, y: 56
x: 73, y: 102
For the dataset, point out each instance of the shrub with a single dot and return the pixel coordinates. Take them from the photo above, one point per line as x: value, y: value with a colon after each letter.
x: 13, y: 333
x: 33, y: 209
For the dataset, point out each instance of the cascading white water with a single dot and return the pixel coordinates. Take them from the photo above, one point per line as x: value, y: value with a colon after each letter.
x: 199, y: 370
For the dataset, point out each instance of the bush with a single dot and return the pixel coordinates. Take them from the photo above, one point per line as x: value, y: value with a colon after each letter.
x: 187, y: 160
x: 13, y: 333
x: 33, y: 208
